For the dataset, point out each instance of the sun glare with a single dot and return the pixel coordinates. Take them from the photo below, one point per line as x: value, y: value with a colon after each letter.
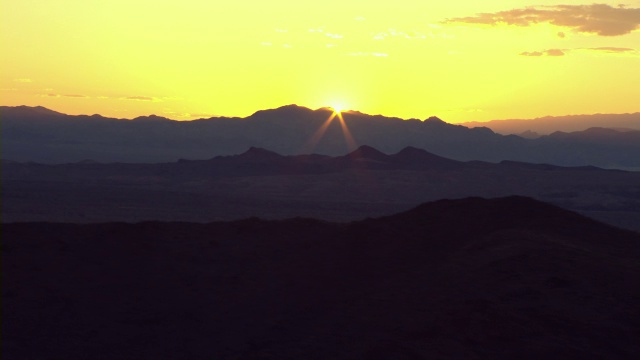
x: 338, y: 107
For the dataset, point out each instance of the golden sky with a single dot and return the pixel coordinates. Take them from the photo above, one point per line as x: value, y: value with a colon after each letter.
x: 459, y: 60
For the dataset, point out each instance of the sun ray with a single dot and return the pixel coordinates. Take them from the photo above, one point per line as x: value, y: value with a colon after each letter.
x: 317, y: 136
x: 346, y: 132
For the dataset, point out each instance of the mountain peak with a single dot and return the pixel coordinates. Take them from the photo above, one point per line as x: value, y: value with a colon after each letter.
x: 368, y: 152
x: 151, y: 118
x: 422, y: 157
x: 286, y: 110
x: 30, y: 110
x: 257, y: 153
x: 435, y: 120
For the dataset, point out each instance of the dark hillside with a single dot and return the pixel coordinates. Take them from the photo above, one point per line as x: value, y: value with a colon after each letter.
x: 470, y: 278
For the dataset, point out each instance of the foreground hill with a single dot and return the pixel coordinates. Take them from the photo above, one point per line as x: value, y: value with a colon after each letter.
x: 470, y: 278
x: 42, y: 135
x: 259, y: 182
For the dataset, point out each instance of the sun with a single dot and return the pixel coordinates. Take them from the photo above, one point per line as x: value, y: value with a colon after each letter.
x: 338, y: 107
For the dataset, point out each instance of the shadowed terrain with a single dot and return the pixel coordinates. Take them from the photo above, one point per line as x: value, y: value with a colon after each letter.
x: 258, y: 182
x: 469, y: 278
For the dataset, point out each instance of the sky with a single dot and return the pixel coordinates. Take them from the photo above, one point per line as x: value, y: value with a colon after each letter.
x: 460, y: 60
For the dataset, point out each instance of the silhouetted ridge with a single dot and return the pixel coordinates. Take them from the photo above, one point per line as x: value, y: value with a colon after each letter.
x: 287, y: 111
x: 477, y: 215
x: 503, y: 278
x: 255, y: 153
x: 151, y: 118
x: 369, y: 153
x: 411, y: 154
x: 435, y: 121
x: 24, y: 110
x: 57, y: 138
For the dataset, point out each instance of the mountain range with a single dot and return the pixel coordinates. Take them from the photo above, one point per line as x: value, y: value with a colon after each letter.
x: 263, y: 183
x: 570, y: 123
x: 41, y: 135
x: 470, y: 278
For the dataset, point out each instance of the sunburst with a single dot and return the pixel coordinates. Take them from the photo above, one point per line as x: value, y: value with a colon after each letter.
x: 337, y: 113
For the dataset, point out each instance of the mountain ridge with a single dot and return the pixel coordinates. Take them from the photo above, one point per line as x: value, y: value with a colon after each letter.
x: 291, y: 130
x: 568, y: 123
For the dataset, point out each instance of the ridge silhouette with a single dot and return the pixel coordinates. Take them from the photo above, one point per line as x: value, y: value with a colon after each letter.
x: 467, y: 278
x: 35, y: 134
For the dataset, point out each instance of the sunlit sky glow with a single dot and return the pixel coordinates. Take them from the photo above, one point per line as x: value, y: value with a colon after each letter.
x: 459, y: 60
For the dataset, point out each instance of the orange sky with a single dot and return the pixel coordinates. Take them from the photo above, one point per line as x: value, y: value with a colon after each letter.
x: 461, y: 61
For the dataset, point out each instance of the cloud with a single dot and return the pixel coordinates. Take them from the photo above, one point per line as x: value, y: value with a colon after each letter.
x: 73, y: 95
x: 562, y: 52
x: 23, y: 80
x: 140, y: 98
x: 600, y: 19
x: 609, y: 49
x: 550, y: 52
x: 554, y: 52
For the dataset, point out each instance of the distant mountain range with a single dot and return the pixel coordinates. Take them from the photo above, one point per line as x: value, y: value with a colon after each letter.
x: 506, y: 278
x: 259, y: 182
x: 571, y: 123
x: 42, y: 135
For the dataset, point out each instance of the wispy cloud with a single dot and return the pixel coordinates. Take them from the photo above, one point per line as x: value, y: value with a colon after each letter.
x: 614, y: 50
x: 600, y: 19
x: 549, y: 52
x: 23, y: 80
x: 54, y: 95
x: 562, y: 52
x: 141, y: 98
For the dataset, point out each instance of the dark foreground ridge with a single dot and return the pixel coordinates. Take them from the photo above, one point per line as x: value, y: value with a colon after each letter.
x: 472, y: 278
